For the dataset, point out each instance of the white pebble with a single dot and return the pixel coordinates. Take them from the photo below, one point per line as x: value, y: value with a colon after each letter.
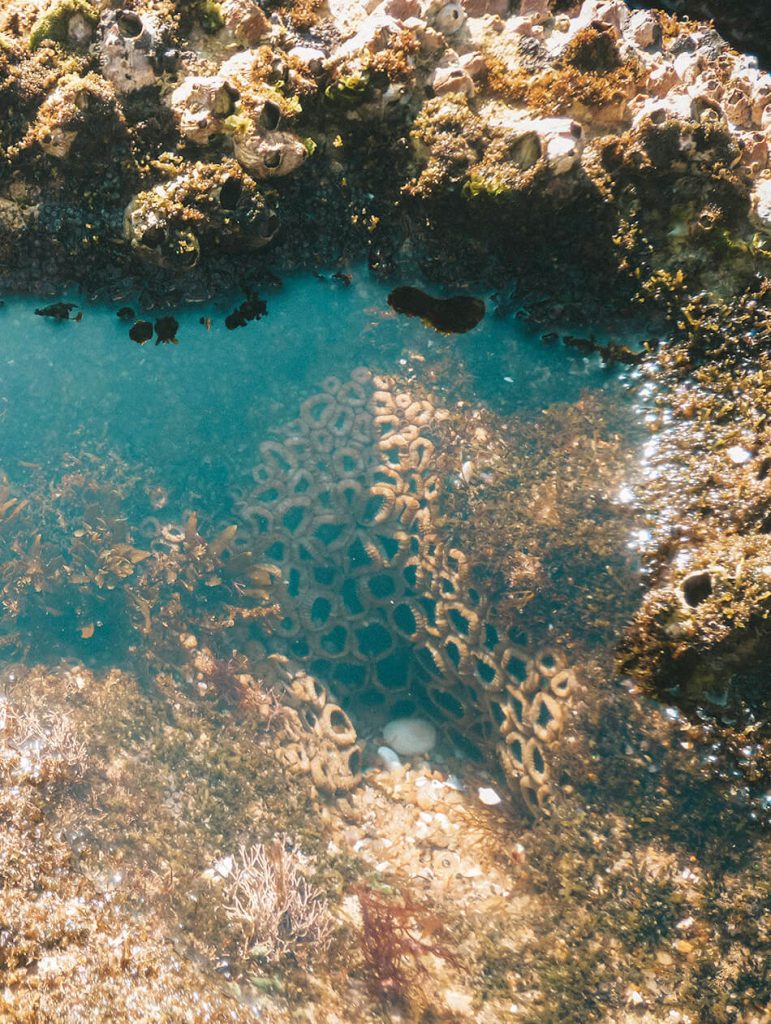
x: 408, y: 736
x: 738, y: 455
x: 489, y: 796
x: 389, y: 758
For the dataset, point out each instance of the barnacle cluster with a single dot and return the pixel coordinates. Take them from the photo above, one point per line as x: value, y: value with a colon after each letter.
x: 375, y: 601
x: 76, y: 105
x: 206, y: 207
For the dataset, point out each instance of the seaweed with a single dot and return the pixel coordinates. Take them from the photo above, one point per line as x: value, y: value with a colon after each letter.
x: 140, y: 331
x: 456, y: 315
x: 398, y: 935
x: 60, y: 311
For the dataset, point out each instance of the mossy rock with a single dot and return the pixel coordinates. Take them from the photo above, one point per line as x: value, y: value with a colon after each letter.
x: 54, y: 25
x: 209, y: 14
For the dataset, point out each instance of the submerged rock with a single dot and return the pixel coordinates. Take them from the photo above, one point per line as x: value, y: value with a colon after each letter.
x: 141, y: 331
x: 59, y: 311
x: 455, y: 315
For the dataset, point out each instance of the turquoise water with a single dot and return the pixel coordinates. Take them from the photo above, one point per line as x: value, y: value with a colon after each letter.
x: 180, y: 407
x: 110, y: 447
x: 331, y: 517
x: 179, y: 426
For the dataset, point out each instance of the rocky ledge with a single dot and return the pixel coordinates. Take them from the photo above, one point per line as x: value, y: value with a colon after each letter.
x: 586, y: 149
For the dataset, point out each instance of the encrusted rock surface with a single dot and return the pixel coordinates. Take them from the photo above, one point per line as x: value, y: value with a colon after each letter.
x: 474, y: 140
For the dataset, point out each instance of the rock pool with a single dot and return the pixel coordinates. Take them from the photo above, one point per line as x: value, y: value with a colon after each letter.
x: 228, y: 561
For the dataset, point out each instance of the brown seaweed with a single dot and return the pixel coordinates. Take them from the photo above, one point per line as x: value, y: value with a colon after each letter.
x: 166, y: 328
x: 456, y: 315
x: 60, y: 311
x: 610, y: 354
x: 141, y: 331
x: 252, y: 308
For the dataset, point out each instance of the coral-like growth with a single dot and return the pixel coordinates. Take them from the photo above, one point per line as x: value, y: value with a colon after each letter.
x: 348, y: 509
x: 278, y: 912
x: 71, y: 111
x: 39, y: 749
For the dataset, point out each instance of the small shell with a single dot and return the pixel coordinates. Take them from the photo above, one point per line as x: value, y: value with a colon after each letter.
x: 467, y: 471
x: 389, y: 757
x: 450, y: 18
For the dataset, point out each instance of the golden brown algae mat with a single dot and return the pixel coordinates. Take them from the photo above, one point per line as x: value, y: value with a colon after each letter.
x: 127, y: 819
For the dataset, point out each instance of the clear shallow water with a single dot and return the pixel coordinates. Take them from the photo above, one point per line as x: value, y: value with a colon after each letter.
x: 58, y: 373
x: 109, y: 447
x: 179, y: 426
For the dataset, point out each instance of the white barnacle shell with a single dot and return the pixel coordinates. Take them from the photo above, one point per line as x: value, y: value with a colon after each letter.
x: 200, y: 104
x: 760, y: 213
x: 268, y: 154
x: 80, y: 31
x: 245, y: 20
x: 126, y: 49
x: 58, y: 143
x: 450, y: 18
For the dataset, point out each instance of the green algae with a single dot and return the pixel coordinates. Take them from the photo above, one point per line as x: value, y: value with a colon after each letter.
x: 53, y: 25
x: 209, y: 14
